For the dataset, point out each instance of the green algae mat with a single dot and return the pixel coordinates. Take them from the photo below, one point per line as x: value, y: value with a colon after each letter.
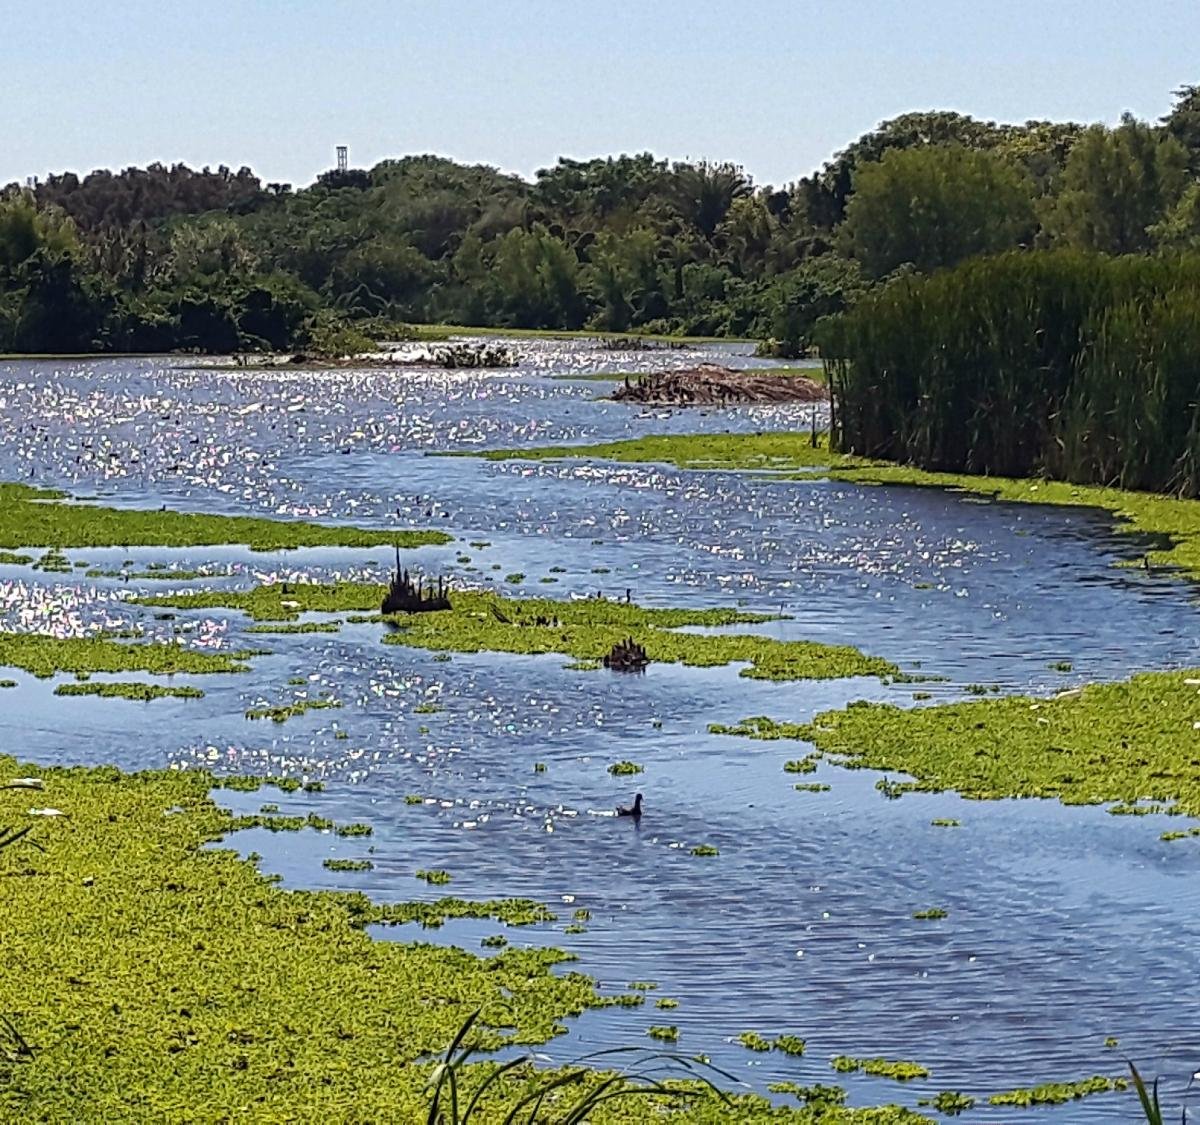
x: 585, y: 630
x: 1130, y: 742
x: 34, y: 517
x: 1140, y: 512
x: 147, y: 978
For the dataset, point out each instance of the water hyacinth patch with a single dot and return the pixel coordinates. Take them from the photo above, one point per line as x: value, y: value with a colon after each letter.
x: 1125, y: 742
x: 348, y: 864
x: 586, y: 630
x: 34, y: 517
x: 287, y: 711
x: 1056, y: 1093
x: 136, y: 691
x: 949, y: 1102
x: 241, y: 970
x: 624, y: 769
x: 665, y: 1034
x: 900, y: 1070
x: 434, y: 878
x: 933, y: 913
x: 753, y: 1041
x: 705, y: 850
x: 43, y: 656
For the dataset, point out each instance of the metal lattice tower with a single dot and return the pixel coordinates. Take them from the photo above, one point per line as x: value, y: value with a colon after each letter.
x: 343, y: 158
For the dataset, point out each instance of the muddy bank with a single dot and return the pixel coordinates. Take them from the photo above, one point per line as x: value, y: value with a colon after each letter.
x: 713, y: 385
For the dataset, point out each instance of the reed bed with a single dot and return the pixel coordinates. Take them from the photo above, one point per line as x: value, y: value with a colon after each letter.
x: 1069, y: 365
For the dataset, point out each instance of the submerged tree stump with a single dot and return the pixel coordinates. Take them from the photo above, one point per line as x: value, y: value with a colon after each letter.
x: 411, y: 595
x: 627, y: 656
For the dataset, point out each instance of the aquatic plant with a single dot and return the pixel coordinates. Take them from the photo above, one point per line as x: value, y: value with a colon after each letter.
x: 516, y: 578
x: 705, y: 850
x: 348, y: 864
x: 36, y: 517
x: 818, y: 1096
x: 933, y: 913
x: 753, y: 1041
x: 668, y: 1034
x: 582, y: 914
x: 803, y: 765
x: 1061, y: 666
x: 8, y: 683
x: 575, y: 928
x: 624, y: 769
x: 294, y: 710
x: 1056, y: 1093
x: 949, y: 1102
x: 481, y: 621
x: 643, y: 985
x: 666, y: 1002
x: 414, y: 799
x: 157, y: 918
x: 494, y: 941
x: 428, y: 708
x: 137, y: 691
x: 1112, y: 1041
x: 1126, y: 742
x: 434, y: 878
x: 810, y: 787
x: 43, y: 656
x: 946, y: 822
x: 900, y: 1070
x: 354, y: 830
x: 303, y: 627
x: 8, y: 558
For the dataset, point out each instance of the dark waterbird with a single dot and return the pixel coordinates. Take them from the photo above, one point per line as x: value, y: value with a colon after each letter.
x: 634, y: 810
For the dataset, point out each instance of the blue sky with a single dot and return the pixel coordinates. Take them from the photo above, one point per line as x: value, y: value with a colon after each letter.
x: 776, y: 86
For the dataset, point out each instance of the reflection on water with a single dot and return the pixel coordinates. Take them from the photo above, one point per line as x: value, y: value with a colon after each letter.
x: 1065, y: 926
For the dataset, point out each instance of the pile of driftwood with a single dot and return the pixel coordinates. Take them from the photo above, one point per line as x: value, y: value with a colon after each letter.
x: 627, y: 656
x: 713, y: 385
x: 407, y: 594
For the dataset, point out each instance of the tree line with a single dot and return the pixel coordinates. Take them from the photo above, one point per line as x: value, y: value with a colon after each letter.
x: 168, y: 258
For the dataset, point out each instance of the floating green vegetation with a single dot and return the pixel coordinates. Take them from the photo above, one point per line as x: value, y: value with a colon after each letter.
x: 626, y: 1000
x: 1124, y: 742
x: 287, y: 711
x: 821, y: 1097
x: 44, y: 656
x: 1112, y: 1041
x: 269, y: 808
x: 810, y: 787
x: 8, y: 558
x: 921, y: 696
x: 172, y: 973
x: 949, y: 1102
x: 789, y: 1044
x: 428, y: 709
x: 539, y: 767
x: 414, y: 799
x: 494, y: 941
x: 601, y: 570
x: 341, y: 735
x: 752, y: 1041
x: 1056, y: 1093
x: 802, y: 765
x: 297, y: 681
x: 945, y: 822
x: 586, y: 630
x: 665, y: 1034
x: 666, y: 1002
x: 1187, y: 834
x: 932, y: 914
x: 134, y: 690
x: 547, y: 580
x: 575, y: 928
x: 354, y: 830
x: 293, y: 627
x: 705, y: 850
x: 35, y: 517
x: 643, y: 985
x: 435, y: 878
x: 53, y: 561
x: 900, y: 1070
x: 1062, y: 666
x: 624, y: 769
x: 516, y: 578
x: 582, y: 914
x: 8, y: 683
x: 348, y: 864
x: 479, y: 544
x: 583, y: 666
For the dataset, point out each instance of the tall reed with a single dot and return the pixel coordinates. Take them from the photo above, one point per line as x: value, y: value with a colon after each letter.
x: 1072, y: 365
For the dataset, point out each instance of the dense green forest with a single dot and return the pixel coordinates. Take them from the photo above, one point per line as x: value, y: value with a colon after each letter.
x: 170, y: 258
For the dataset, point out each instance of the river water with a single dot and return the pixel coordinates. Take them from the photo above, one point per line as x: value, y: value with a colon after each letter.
x: 1066, y: 925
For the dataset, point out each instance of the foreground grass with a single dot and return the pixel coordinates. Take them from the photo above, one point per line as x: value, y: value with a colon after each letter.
x: 34, y: 517
x: 1140, y: 512
x: 585, y: 630
x: 1125, y: 742
x: 151, y: 979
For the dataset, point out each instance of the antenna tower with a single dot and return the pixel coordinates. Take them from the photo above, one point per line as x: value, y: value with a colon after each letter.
x: 343, y: 158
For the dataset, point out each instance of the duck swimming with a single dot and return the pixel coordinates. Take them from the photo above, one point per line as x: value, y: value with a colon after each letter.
x: 634, y: 810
